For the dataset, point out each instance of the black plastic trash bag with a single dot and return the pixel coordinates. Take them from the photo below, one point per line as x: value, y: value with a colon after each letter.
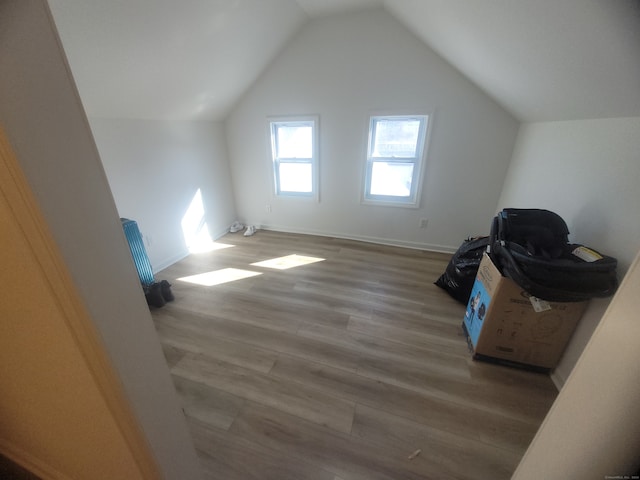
x: 461, y: 271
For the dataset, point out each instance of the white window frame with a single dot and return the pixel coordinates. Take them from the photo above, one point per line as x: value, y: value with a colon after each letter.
x: 273, y: 123
x: 413, y: 200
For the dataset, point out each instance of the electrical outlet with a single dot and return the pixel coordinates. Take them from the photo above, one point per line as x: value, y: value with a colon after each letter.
x: 268, y: 208
x: 423, y: 223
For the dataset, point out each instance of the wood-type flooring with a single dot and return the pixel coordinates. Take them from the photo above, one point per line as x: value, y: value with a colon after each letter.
x: 350, y: 368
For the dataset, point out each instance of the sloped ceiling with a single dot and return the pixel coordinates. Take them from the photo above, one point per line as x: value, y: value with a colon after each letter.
x: 541, y: 59
x: 165, y: 59
x: 193, y: 59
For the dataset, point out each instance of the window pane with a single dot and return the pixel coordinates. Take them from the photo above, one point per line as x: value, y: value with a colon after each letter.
x: 396, y: 138
x: 295, y: 177
x: 393, y: 179
x: 294, y: 141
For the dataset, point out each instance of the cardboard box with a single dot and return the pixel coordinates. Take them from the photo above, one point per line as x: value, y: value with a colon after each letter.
x: 504, y: 323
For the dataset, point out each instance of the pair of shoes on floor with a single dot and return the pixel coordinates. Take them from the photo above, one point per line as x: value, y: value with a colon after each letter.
x: 158, y: 294
x: 236, y: 227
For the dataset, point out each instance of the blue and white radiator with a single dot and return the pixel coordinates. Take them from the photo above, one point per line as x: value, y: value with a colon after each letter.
x: 138, y: 252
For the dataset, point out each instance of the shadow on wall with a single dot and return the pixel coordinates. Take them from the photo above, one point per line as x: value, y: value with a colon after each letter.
x: 591, y: 225
x: 611, y: 231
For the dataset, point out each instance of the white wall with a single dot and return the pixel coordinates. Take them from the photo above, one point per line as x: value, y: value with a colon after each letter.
x: 593, y: 428
x: 155, y: 168
x: 586, y: 171
x: 343, y: 68
x: 41, y: 112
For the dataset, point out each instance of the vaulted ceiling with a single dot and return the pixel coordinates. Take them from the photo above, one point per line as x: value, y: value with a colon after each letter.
x: 193, y: 59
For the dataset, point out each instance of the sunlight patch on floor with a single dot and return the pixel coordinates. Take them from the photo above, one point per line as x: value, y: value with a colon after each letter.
x: 218, y: 277
x: 209, y: 246
x: 289, y: 261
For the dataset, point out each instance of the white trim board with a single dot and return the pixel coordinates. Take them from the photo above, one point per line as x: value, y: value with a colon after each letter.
x: 364, y: 238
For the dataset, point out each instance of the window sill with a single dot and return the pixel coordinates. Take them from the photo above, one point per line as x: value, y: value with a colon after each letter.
x: 389, y: 203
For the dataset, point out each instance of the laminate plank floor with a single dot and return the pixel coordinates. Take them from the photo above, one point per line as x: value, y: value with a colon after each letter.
x: 352, y: 367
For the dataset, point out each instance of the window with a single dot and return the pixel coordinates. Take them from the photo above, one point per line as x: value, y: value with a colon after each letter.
x: 394, y: 159
x: 294, y: 155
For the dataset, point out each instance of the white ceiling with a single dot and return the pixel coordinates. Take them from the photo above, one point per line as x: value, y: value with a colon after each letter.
x: 193, y: 59
x: 541, y: 59
x: 167, y: 59
x: 319, y: 8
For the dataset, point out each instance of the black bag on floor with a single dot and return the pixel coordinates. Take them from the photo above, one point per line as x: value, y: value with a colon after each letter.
x: 460, y: 274
x: 531, y: 246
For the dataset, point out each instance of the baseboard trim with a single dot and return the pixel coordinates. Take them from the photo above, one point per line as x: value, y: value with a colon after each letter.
x: 302, y: 231
x: 170, y: 261
x: 558, y: 379
x: 184, y: 254
x: 220, y: 233
x: 363, y: 238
